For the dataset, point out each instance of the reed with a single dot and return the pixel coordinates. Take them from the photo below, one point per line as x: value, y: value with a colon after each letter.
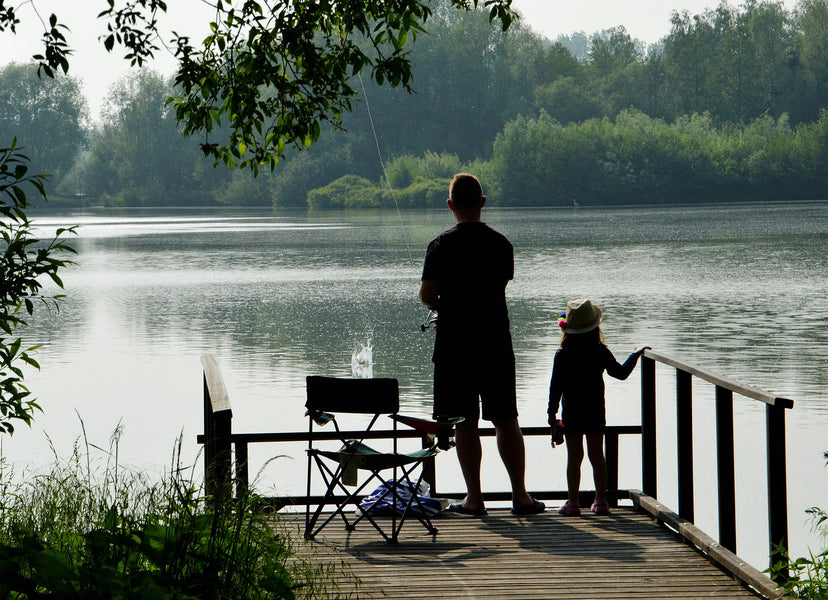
x: 87, y: 527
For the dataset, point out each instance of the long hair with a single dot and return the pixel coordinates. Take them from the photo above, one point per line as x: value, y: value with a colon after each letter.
x: 582, y: 340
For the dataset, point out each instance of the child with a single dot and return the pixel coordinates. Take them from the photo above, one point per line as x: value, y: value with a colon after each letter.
x: 578, y: 377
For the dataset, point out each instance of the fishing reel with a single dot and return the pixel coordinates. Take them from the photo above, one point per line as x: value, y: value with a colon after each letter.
x: 430, y: 321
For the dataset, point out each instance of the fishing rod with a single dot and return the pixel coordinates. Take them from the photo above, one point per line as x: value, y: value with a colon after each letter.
x: 430, y: 321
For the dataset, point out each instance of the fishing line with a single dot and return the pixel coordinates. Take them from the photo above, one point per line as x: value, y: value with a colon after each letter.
x: 431, y: 319
x: 382, y: 166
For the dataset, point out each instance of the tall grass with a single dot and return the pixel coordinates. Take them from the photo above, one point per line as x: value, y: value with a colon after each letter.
x: 89, y: 528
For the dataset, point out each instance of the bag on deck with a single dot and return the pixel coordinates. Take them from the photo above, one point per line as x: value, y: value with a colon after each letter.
x: 384, y: 507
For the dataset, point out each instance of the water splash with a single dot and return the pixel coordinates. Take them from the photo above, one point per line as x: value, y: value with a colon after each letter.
x: 362, y: 361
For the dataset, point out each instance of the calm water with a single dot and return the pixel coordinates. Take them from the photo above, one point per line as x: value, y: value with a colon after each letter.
x: 276, y: 296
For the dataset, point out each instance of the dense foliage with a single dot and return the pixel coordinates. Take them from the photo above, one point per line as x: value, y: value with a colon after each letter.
x: 727, y: 107
x: 637, y: 159
x: 49, y: 114
x: 271, y: 72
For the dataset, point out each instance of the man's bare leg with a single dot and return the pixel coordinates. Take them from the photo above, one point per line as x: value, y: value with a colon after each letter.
x: 469, y: 454
x: 513, y: 454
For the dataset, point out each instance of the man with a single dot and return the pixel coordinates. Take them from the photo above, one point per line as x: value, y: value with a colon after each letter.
x: 464, y: 279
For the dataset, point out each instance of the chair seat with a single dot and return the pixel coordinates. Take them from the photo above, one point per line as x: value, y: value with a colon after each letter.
x: 362, y: 456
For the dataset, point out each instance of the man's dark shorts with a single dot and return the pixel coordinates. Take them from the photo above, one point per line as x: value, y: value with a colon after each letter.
x: 460, y: 390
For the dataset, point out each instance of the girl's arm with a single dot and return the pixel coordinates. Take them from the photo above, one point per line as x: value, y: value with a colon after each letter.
x: 555, y: 388
x: 623, y: 371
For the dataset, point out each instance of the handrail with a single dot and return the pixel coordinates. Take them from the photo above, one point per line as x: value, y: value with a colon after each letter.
x: 711, y: 377
x: 775, y: 408
x: 240, y: 442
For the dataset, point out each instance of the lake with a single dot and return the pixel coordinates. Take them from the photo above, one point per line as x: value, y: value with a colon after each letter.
x: 275, y: 296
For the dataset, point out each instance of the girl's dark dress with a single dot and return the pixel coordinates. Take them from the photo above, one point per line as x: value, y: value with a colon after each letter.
x: 578, y: 377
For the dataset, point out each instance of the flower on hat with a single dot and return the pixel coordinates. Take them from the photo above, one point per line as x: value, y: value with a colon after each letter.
x: 562, y: 321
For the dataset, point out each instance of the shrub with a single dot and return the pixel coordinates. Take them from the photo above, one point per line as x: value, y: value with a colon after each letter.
x: 402, y: 170
x: 349, y: 190
x: 807, y: 576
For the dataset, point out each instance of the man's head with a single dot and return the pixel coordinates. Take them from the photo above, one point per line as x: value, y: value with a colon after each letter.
x: 466, y: 197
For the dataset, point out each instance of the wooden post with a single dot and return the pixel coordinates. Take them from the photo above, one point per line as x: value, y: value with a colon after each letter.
x: 429, y: 469
x: 726, y: 468
x: 684, y: 439
x: 217, y: 432
x: 209, y: 440
x: 611, y: 453
x: 220, y: 469
x: 242, y: 471
x: 777, y: 487
x: 648, y: 427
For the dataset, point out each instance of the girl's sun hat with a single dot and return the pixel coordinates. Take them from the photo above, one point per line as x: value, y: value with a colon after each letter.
x: 581, y: 316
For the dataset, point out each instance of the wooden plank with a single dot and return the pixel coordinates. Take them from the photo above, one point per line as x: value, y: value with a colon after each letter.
x: 627, y: 554
x: 710, y: 547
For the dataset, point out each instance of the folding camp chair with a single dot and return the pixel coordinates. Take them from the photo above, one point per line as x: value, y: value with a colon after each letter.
x: 340, y: 468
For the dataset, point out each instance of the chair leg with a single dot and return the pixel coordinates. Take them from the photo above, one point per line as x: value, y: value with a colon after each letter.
x: 421, y: 516
x: 331, y: 480
x: 397, y: 524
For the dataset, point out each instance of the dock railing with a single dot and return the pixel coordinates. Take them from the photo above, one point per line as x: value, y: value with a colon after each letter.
x: 725, y: 388
x: 226, y: 452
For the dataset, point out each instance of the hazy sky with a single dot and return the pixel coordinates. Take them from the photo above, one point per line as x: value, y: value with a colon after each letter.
x: 647, y: 20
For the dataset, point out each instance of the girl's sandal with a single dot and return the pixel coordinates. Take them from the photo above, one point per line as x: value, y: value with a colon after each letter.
x: 570, y: 509
x: 600, y: 507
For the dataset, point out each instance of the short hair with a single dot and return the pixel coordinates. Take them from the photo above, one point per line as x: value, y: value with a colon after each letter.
x: 465, y: 190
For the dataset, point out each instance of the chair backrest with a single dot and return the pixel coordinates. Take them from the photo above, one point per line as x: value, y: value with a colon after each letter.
x: 365, y: 396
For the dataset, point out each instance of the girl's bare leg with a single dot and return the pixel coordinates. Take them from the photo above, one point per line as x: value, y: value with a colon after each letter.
x: 595, y: 450
x: 574, y: 458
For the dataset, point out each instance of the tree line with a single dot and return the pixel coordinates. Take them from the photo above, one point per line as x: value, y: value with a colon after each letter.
x: 728, y: 106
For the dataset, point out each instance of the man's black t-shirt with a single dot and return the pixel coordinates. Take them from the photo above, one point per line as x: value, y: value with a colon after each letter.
x: 472, y: 263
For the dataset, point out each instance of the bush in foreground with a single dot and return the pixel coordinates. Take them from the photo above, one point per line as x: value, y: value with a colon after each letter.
x: 808, y: 576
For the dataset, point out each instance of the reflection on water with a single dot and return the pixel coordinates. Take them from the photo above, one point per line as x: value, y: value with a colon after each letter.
x: 277, y: 296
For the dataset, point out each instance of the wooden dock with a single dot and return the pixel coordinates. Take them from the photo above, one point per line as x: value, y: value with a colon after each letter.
x: 641, y: 551
x: 627, y: 554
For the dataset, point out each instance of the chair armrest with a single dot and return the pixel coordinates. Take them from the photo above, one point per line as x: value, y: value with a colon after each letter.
x: 442, y: 429
x: 320, y: 417
x: 430, y: 426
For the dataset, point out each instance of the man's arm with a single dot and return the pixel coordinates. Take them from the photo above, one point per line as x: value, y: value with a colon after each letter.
x: 429, y: 293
